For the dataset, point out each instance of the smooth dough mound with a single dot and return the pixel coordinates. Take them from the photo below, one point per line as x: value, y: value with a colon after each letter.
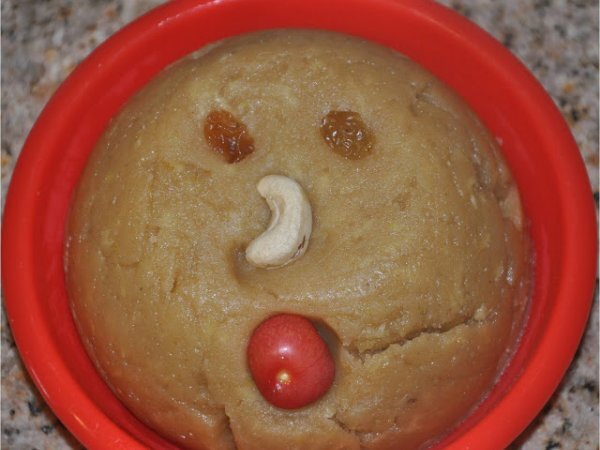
x: 417, y: 266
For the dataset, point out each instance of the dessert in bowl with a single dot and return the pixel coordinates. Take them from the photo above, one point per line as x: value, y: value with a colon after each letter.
x: 494, y: 112
x: 395, y: 227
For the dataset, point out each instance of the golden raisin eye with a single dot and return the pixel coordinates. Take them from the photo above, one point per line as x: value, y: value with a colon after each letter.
x: 227, y: 135
x: 346, y: 134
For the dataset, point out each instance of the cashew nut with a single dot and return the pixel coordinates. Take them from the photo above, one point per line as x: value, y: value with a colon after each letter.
x: 286, y: 237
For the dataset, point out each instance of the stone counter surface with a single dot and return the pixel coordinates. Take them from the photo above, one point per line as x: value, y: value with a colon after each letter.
x: 42, y: 41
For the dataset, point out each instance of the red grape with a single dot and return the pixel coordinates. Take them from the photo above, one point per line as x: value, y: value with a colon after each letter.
x: 289, y: 361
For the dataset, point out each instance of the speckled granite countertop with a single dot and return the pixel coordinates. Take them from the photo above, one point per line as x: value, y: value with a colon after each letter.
x: 557, y: 39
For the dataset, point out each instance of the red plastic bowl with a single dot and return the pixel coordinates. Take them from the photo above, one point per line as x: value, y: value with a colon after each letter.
x: 536, y: 142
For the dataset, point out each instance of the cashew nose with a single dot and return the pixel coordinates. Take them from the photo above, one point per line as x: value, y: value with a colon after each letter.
x: 286, y: 237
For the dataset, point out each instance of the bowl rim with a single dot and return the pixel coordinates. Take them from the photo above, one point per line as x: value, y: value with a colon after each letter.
x: 501, y: 424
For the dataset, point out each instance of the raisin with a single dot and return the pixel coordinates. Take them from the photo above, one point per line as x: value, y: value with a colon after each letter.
x: 346, y: 134
x: 228, y: 136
